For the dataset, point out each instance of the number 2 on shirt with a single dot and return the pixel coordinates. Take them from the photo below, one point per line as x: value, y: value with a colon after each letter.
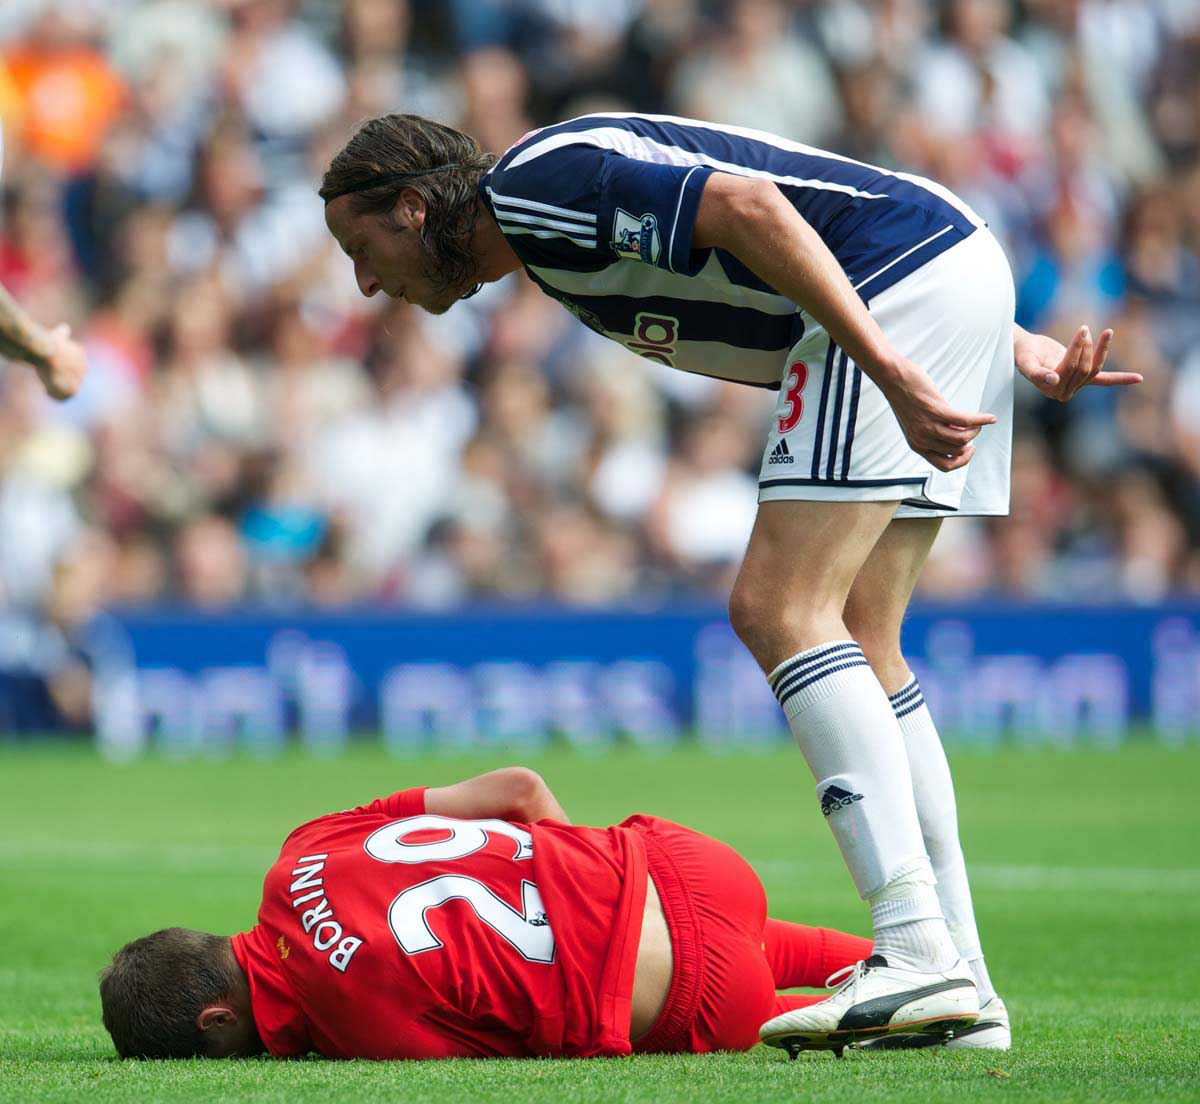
x: 527, y: 931
x: 792, y: 406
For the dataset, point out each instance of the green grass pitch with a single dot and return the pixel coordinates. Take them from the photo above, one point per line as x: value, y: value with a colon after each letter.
x: 1085, y: 865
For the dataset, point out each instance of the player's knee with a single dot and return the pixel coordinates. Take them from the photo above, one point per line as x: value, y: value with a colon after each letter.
x: 753, y: 615
x: 741, y: 612
x: 773, y: 626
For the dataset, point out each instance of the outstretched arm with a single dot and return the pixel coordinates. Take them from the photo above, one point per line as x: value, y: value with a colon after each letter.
x: 511, y: 793
x: 1059, y: 371
x: 58, y: 361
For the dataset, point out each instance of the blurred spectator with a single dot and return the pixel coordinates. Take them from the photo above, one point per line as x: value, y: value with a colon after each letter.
x: 1072, y: 273
x: 66, y: 92
x: 211, y: 563
x: 496, y: 87
x: 254, y: 430
x: 282, y: 77
x: 976, y: 77
x: 703, y: 518
x: 753, y: 73
x: 583, y: 560
x: 48, y: 656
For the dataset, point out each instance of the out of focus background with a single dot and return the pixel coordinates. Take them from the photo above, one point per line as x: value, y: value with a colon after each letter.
x: 277, y: 507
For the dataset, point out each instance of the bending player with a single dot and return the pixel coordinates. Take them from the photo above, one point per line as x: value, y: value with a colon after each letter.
x: 475, y: 921
x: 881, y: 307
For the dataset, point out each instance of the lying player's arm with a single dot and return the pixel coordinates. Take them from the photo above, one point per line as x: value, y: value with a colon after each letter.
x: 58, y: 361
x: 753, y: 220
x: 511, y: 793
x: 1059, y: 371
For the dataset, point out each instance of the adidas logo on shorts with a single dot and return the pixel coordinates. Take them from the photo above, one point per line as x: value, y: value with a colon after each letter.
x: 781, y: 455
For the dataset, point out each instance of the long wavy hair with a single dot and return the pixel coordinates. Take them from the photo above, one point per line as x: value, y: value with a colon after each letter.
x: 372, y: 169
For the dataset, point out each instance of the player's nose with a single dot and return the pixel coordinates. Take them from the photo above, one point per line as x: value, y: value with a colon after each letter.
x: 368, y: 284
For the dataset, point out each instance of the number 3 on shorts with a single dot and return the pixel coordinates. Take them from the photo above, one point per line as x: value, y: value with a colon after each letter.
x: 792, y: 407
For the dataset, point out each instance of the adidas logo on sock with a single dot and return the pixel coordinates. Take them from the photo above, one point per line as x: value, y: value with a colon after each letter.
x: 780, y: 454
x: 835, y: 798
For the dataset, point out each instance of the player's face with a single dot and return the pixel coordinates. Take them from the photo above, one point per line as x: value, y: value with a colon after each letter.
x: 387, y: 252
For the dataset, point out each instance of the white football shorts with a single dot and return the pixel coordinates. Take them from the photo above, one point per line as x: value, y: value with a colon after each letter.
x: 834, y: 437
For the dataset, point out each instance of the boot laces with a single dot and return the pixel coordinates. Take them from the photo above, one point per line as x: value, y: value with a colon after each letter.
x: 847, y: 978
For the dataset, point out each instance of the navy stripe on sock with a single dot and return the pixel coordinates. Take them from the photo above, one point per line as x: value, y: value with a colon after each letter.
x: 900, y: 697
x: 907, y: 688
x: 808, y: 664
x: 856, y: 661
x: 810, y: 659
x: 911, y: 707
x: 797, y: 662
x: 786, y: 684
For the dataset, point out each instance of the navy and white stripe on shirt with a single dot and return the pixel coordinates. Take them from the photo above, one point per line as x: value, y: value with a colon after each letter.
x: 600, y: 210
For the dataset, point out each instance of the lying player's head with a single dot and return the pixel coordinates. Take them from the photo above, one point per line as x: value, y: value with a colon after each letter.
x: 178, y: 994
x: 401, y: 199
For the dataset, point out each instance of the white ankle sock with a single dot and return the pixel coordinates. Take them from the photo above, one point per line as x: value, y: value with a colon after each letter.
x: 909, y: 929
x: 848, y: 734
x: 933, y: 791
x: 919, y: 945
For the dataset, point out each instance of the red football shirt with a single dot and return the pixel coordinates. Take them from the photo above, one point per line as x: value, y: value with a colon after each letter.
x: 388, y: 933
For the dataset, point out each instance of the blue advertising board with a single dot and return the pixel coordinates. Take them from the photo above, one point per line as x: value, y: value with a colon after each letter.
x: 520, y: 678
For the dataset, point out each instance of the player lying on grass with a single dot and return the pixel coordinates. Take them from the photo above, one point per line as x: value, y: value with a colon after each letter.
x: 475, y: 921
x: 881, y: 307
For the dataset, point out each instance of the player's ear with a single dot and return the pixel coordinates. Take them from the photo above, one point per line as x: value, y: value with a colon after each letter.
x: 214, y: 1017
x: 409, y: 212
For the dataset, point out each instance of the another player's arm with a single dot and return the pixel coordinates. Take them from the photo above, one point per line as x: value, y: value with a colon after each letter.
x: 511, y: 793
x: 752, y: 219
x: 58, y: 361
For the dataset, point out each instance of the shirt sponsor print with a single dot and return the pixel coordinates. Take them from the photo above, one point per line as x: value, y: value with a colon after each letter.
x: 655, y: 336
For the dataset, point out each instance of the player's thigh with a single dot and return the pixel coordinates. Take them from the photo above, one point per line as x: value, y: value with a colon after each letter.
x: 805, y: 555
x: 884, y: 585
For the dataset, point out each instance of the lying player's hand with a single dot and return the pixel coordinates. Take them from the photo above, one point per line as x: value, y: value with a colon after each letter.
x: 62, y: 373
x: 1059, y: 373
x: 933, y: 429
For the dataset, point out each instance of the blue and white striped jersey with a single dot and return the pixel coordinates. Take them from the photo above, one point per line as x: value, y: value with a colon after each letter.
x: 600, y: 210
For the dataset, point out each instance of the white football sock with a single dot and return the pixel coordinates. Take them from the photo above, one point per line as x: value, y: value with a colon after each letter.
x: 916, y: 944
x: 933, y: 791
x: 848, y: 734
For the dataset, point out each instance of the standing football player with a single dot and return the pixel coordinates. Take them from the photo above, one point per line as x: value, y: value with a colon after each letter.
x: 881, y: 307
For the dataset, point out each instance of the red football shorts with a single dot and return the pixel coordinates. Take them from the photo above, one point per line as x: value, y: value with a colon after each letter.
x: 722, y: 987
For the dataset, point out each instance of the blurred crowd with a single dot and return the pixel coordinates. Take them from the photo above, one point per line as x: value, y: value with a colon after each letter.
x: 252, y: 429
